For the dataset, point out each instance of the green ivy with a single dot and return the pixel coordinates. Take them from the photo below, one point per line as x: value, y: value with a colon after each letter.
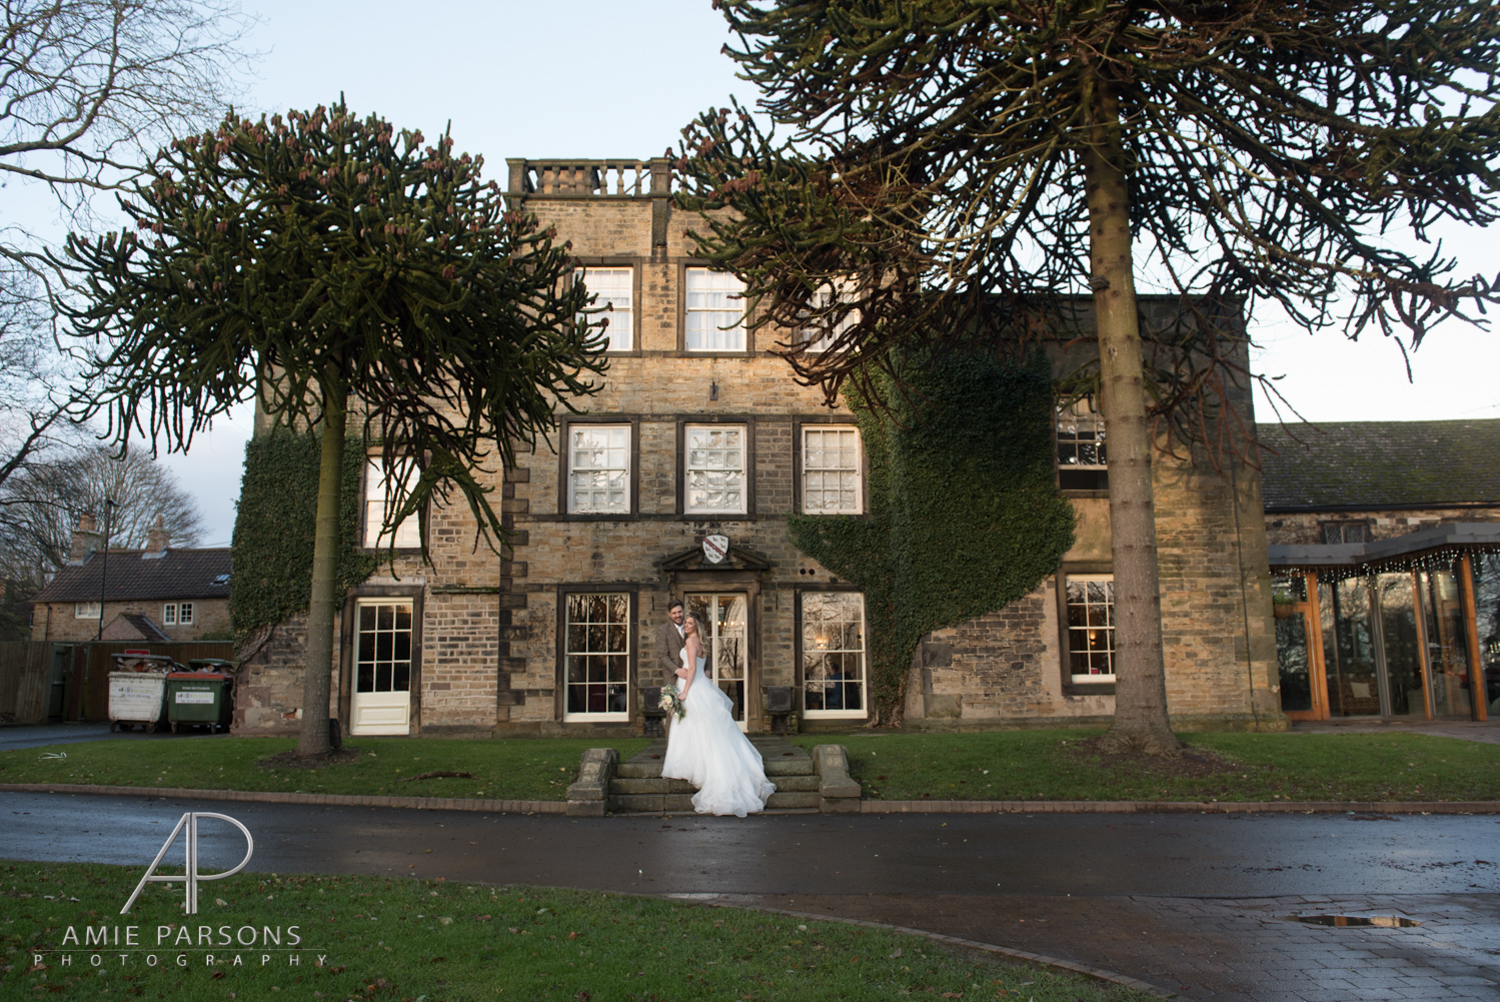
x: 273, y: 530
x: 964, y: 515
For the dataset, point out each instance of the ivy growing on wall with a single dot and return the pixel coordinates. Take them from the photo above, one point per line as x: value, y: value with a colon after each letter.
x: 273, y: 529
x: 963, y: 511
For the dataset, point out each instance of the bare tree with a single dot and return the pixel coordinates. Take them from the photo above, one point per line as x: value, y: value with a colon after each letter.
x: 87, y: 88
x: 41, y: 504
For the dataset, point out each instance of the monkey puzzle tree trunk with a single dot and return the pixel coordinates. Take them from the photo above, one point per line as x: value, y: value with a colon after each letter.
x: 1140, y: 722
x: 313, y: 739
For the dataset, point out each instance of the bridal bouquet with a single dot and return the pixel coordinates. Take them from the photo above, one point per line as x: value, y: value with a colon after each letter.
x: 672, y: 703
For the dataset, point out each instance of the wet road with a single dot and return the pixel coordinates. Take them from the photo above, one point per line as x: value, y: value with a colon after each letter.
x: 1067, y: 854
x: 1194, y: 903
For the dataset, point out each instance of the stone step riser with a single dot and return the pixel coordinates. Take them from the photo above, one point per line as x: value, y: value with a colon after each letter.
x: 791, y: 765
x: 683, y: 802
x: 622, y: 786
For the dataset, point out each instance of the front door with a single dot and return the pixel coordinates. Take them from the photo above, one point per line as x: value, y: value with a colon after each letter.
x: 723, y: 618
x: 381, y: 701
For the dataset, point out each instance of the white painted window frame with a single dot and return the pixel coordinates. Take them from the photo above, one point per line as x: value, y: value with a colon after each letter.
x: 688, y: 468
x: 1085, y: 579
x: 568, y: 652
x: 623, y: 469
x: 708, y: 319
x: 621, y: 329
x: 810, y: 650
x: 857, y: 470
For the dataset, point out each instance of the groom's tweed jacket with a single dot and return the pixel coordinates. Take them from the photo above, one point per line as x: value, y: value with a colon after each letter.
x: 668, y: 651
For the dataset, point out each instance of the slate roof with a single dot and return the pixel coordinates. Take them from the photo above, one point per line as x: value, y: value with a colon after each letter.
x: 1380, y: 464
x: 132, y: 576
x: 144, y: 628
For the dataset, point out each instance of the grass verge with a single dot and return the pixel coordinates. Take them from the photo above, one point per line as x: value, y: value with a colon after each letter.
x: 371, y: 938
x: 515, y: 769
x: 1062, y: 765
x: 994, y: 765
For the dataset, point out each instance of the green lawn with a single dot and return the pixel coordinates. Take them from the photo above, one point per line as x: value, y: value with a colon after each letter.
x: 1053, y: 765
x: 997, y: 765
x: 515, y: 769
x: 396, y: 940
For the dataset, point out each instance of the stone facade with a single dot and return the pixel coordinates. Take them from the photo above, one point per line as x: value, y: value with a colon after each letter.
x: 1291, y: 528
x: 57, y: 623
x: 489, y: 633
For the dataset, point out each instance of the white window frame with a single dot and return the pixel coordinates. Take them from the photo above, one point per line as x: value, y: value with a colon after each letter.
x: 169, y: 614
x: 697, y: 459
x: 713, y: 312
x: 615, y: 468
x: 817, y: 341
x: 1081, y: 428
x: 408, y: 535
x: 184, y: 614
x: 856, y: 471
x: 614, y: 631
x: 87, y: 610
x: 621, y: 300
x: 817, y: 645
x: 1101, y: 644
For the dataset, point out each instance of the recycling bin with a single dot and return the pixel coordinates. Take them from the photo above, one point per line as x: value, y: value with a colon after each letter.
x: 200, y: 697
x: 136, y: 698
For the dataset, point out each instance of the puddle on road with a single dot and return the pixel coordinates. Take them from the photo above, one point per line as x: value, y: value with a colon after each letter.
x: 1380, y: 921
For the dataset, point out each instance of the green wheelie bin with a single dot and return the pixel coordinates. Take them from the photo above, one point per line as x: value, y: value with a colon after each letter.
x: 200, y: 697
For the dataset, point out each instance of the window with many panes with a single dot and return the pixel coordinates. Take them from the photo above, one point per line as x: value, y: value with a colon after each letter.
x: 599, y: 469
x: 408, y: 534
x: 822, y: 336
x: 615, y: 288
x: 596, y: 655
x: 177, y: 614
x: 831, y: 470
x: 714, y: 318
x: 1081, y: 460
x: 714, y: 468
x: 86, y: 610
x: 833, y: 654
x: 1346, y: 532
x: 1091, y: 627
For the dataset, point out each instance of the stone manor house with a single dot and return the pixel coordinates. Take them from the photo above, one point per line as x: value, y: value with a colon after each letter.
x: 676, y: 484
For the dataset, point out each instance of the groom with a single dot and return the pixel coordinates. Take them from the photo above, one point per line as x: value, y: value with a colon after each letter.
x: 669, y: 640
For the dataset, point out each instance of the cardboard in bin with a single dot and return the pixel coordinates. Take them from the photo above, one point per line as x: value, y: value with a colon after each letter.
x: 139, y: 661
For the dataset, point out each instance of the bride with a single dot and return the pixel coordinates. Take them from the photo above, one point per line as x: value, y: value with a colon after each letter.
x: 705, y: 746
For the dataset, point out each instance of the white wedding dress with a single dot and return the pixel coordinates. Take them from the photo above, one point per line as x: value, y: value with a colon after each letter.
x: 706, y: 747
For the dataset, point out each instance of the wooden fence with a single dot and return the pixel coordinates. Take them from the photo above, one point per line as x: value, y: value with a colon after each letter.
x: 25, y: 681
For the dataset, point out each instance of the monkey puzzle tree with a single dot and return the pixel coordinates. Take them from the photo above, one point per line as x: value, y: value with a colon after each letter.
x: 953, y: 164
x: 327, y: 262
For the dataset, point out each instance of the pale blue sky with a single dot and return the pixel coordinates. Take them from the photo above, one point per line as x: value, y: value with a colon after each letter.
x: 606, y: 78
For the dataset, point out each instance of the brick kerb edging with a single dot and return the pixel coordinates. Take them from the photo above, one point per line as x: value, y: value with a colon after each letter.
x: 1177, y: 807
x: 866, y: 807
x: 272, y: 797
x: 937, y: 937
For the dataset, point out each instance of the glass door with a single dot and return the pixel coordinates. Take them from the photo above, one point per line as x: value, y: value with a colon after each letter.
x: 381, y: 702
x: 723, y: 618
x: 1447, y: 640
x: 1400, y: 646
x: 1299, y: 653
x: 1353, y: 686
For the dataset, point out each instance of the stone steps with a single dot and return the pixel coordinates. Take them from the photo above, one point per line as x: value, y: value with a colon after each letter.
x: 682, y: 803
x: 608, y: 785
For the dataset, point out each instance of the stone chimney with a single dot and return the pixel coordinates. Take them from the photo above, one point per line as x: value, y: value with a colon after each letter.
x: 86, y: 540
x: 156, y: 539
